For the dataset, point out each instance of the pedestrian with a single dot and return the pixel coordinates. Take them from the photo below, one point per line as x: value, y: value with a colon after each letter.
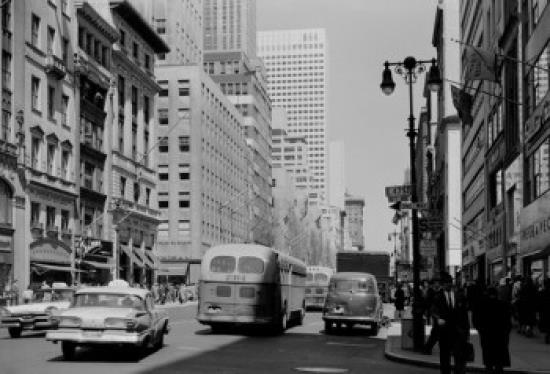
x: 528, y: 306
x: 451, y: 313
x: 544, y: 302
x: 433, y: 289
x: 155, y: 292
x: 27, y: 295
x: 399, y: 302
x: 516, y: 287
x: 494, y: 322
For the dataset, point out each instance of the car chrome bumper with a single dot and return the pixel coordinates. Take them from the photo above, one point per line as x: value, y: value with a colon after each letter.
x: 27, y: 324
x: 96, y: 337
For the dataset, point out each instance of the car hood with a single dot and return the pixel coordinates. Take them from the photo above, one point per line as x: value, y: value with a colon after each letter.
x: 37, y: 307
x: 99, y: 313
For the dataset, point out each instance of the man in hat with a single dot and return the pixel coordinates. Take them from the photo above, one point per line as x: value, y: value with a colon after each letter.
x: 450, y: 311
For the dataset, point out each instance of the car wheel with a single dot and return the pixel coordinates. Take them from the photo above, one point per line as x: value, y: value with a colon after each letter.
x: 328, y: 327
x: 374, y: 329
x: 160, y: 340
x: 68, y: 349
x: 14, y: 332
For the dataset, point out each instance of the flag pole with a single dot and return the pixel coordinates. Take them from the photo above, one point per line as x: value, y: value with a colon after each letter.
x: 464, y: 86
x: 505, y: 57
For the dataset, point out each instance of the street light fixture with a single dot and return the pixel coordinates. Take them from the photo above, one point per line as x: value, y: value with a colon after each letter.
x: 410, y: 68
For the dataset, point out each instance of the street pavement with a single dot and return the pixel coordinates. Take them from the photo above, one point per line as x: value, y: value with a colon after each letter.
x: 193, y: 348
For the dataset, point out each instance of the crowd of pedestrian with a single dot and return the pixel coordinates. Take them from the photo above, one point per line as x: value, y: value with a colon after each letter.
x: 492, y: 309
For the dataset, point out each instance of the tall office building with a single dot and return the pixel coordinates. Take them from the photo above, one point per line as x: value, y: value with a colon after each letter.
x: 230, y: 59
x: 230, y: 25
x: 296, y: 62
x: 336, y: 174
x: 355, y: 213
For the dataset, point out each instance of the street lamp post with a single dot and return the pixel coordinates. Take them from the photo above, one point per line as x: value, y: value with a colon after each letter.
x: 409, y: 68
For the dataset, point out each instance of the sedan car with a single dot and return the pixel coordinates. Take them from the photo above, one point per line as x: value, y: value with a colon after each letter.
x: 110, y: 315
x: 36, y: 314
x: 352, y: 299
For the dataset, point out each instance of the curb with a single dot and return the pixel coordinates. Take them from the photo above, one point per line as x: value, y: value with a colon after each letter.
x: 396, y: 357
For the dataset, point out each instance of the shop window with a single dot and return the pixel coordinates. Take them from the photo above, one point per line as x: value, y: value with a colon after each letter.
x: 540, y: 169
x: 6, y: 196
x: 495, y: 188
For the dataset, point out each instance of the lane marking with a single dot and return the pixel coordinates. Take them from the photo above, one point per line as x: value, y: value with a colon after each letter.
x: 352, y: 344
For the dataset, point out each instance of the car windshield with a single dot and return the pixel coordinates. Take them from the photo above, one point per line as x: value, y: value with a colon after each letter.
x: 46, y: 296
x: 108, y: 300
x: 364, y: 285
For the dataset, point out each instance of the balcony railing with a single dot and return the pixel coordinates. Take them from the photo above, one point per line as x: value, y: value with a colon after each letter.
x: 55, y: 66
x: 52, y: 230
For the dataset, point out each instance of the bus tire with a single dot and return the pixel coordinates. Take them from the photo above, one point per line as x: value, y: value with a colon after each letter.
x: 374, y: 329
x: 302, y: 315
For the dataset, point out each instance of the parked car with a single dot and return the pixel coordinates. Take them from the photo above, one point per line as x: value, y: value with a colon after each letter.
x: 353, y: 299
x: 111, y: 315
x: 36, y: 314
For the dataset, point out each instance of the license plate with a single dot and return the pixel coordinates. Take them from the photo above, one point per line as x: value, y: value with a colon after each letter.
x: 92, y: 334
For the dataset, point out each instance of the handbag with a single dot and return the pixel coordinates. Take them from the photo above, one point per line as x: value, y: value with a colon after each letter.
x: 469, y: 353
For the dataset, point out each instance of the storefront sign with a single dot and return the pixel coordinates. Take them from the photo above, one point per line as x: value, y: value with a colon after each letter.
x: 495, y: 236
x: 51, y: 251
x: 535, y: 225
x: 427, y: 248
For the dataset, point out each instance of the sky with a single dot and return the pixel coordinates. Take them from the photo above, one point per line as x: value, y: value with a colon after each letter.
x: 362, y: 34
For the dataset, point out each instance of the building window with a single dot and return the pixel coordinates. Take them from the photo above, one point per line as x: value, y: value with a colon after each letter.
x: 64, y: 4
x: 163, y: 204
x: 121, y: 93
x: 50, y: 158
x: 163, y: 176
x: 146, y: 110
x: 184, y: 143
x: 540, y: 165
x: 134, y: 141
x: 121, y: 135
x: 163, y: 88
x: 495, y: 188
x: 6, y: 196
x: 184, y: 87
x: 64, y: 108
x: 163, y: 144
x: 184, y: 203
x: 147, y: 196
x: 122, y: 38
x: 161, y: 26
x: 541, y: 76
x: 134, y: 103
x: 163, y: 229
x: 51, y: 102
x: 65, y: 51
x: 50, y: 216
x: 6, y: 15
x: 136, y: 192
x: 35, y: 30
x: 35, y: 152
x: 35, y: 213
x: 6, y: 70
x: 123, y: 187
x: 64, y: 220
x: 5, y: 129
x: 65, y: 154
x: 135, y: 51
x: 35, y: 93
x: 147, y: 62
x: 184, y: 172
x: 51, y: 40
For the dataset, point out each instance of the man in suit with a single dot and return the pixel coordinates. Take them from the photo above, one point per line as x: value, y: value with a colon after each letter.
x: 450, y: 312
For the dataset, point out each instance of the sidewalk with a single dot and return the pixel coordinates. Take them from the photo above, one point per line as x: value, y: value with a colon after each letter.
x: 175, y: 304
x: 528, y: 355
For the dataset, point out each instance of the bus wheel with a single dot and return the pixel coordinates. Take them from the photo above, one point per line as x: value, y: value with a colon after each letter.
x: 301, y: 317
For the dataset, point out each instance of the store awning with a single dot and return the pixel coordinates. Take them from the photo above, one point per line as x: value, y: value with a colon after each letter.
x: 172, y: 270
x: 54, y: 267
x: 98, y: 265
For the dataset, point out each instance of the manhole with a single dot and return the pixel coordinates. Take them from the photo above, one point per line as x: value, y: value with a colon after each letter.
x: 321, y: 370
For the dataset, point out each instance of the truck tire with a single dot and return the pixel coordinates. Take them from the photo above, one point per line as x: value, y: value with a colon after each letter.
x: 14, y: 332
x: 68, y: 349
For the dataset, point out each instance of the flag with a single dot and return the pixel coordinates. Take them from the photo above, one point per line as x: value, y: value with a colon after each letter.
x: 463, y: 104
x: 480, y: 65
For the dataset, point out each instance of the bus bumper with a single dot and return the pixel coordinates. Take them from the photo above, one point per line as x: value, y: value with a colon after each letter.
x: 207, y: 319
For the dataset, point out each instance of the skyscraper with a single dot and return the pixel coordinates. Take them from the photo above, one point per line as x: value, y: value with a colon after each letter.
x: 230, y: 25
x: 296, y: 62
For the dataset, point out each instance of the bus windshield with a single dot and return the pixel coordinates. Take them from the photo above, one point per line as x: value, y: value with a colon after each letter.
x: 223, y: 264
x: 251, y: 265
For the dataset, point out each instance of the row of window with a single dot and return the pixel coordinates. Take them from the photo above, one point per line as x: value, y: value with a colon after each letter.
x: 123, y: 182
x: 136, y: 53
x: 52, y: 97
x: 183, y: 142
x: 51, y: 164
x: 51, y: 216
x: 184, y: 88
x: 51, y: 40
x: 538, y: 182
x: 94, y: 47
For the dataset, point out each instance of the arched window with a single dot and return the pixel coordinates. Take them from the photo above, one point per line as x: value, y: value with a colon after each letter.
x: 6, y: 196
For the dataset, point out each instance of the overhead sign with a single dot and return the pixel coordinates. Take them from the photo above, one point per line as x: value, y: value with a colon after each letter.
x: 427, y: 248
x: 430, y: 224
x: 408, y: 205
x: 398, y: 193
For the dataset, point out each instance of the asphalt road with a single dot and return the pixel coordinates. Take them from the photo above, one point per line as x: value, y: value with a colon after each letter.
x: 193, y: 348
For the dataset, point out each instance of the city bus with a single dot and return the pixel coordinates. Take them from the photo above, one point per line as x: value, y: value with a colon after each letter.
x: 317, y: 281
x: 249, y: 284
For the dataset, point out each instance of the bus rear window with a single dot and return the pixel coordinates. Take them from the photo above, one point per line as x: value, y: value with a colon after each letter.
x: 251, y: 265
x: 321, y: 277
x: 223, y: 264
